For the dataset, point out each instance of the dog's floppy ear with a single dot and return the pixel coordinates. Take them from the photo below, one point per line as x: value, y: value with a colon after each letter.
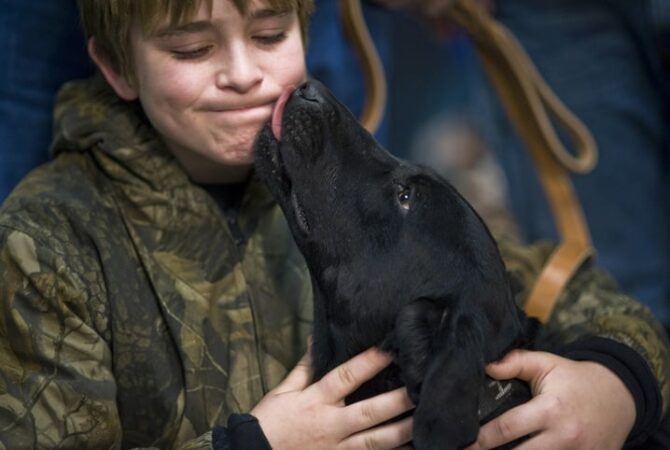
x: 410, y: 343
x: 447, y: 414
x: 439, y: 352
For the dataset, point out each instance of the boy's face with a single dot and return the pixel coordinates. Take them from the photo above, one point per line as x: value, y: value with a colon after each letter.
x: 209, y: 86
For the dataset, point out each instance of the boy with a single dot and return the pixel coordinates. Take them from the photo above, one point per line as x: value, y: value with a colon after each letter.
x: 151, y: 291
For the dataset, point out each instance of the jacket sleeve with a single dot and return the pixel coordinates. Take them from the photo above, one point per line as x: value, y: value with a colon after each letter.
x: 243, y: 432
x: 592, y: 305
x: 56, y: 368
x: 57, y: 388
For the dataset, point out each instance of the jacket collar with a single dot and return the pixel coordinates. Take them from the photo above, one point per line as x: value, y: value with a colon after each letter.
x: 90, y: 116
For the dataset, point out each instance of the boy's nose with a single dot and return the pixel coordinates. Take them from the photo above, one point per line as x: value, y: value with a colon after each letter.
x: 240, y: 71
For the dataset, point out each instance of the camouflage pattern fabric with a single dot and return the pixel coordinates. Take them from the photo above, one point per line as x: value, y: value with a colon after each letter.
x: 130, y: 318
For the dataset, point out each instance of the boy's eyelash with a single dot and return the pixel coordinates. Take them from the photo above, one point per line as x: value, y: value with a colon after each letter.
x: 270, y: 39
x: 191, y: 54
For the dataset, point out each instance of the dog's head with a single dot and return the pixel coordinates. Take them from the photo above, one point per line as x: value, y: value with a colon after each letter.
x: 370, y: 225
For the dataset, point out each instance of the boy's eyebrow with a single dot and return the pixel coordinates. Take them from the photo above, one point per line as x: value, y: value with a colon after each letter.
x: 204, y: 25
x: 267, y: 12
x: 191, y: 27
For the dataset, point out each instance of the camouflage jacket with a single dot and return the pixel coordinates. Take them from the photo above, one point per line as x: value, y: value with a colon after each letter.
x: 130, y: 316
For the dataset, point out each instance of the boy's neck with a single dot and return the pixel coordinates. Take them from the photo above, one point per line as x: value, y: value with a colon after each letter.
x: 220, y: 174
x: 206, y: 171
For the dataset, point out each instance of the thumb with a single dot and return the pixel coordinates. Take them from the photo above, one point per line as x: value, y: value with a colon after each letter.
x: 529, y: 366
x: 298, y: 378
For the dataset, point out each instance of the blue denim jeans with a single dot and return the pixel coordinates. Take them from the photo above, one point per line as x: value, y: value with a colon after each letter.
x: 599, y: 57
x: 43, y: 47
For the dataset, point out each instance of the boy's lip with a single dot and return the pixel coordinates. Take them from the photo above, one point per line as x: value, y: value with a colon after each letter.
x: 240, y: 104
x: 241, y: 115
x: 238, y: 108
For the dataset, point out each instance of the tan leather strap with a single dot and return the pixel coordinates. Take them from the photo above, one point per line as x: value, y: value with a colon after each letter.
x: 356, y: 31
x: 529, y: 102
x: 559, y: 269
x: 510, y: 67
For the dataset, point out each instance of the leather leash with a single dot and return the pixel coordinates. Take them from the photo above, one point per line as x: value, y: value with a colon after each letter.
x: 529, y: 102
x: 356, y: 30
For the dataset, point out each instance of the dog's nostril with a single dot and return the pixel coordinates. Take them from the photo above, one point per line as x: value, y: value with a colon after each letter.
x: 309, y: 92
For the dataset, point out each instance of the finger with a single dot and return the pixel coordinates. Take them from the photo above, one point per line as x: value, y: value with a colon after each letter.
x: 298, y: 378
x: 347, y: 377
x: 529, y: 418
x: 385, y: 437
x: 373, y: 411
x: 542, y: 441
x: 529, y: 366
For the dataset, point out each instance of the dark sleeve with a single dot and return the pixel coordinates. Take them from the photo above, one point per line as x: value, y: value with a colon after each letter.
x: 243, y: 432
x: 634, y: 372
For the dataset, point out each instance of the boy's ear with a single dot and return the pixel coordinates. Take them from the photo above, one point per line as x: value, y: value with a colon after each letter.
x: 118, y: 82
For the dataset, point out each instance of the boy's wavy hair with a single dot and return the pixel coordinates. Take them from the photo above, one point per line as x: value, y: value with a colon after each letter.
x: 110, y: 21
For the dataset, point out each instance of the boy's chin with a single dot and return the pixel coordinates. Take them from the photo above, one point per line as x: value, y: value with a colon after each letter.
x: 230, y: 153
x: 218, y: 166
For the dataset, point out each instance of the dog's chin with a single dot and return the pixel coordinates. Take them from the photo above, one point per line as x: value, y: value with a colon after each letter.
x: 272, y: 169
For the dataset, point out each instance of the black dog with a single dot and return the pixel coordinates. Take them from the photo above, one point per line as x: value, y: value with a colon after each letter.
x: 398, y: 259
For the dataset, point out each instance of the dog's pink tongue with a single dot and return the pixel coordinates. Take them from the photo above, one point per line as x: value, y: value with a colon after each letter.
x: 278, y: 111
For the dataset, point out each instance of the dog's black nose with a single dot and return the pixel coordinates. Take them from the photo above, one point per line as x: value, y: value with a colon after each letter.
x: 309, y: 91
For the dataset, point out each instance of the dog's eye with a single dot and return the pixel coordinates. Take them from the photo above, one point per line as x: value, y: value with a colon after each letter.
x: 404, y: 197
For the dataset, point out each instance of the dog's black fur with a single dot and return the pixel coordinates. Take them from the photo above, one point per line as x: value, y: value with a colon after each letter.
x: 398, y: 259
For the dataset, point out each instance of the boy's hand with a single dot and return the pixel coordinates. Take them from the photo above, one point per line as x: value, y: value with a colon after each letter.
x: 575, y: 405
x: 297, y: 414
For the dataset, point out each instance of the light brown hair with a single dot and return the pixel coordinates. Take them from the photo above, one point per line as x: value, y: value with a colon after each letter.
x: 110, y: 22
